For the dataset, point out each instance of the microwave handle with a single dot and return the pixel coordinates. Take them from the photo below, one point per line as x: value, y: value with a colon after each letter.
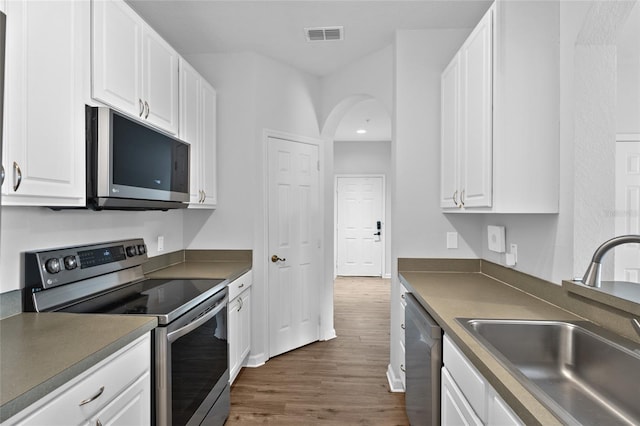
x: 175, y: 335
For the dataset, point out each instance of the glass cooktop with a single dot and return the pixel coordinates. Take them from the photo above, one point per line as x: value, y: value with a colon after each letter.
x: 166, y: 299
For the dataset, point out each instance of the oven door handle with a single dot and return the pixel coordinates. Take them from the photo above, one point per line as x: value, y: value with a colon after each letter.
x: 175, y: 335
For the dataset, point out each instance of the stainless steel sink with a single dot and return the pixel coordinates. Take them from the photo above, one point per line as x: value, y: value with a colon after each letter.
x: 583, y: 373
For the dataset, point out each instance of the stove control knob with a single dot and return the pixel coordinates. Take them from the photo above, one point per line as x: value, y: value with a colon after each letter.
x: 142, y: 249
x: 52, y: 265
x: 131, y: 251
x: 70, y: 263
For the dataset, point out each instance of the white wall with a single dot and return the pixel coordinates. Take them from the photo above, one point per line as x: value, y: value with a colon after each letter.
x: 33, y: 228
x: 254, y: 93
x: 368, y: 157
x: 419, y: 226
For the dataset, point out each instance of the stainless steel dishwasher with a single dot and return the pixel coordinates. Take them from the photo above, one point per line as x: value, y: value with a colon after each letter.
x: 423, y: 341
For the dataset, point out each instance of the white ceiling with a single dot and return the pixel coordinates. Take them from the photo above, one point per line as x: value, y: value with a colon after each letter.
x: 276, y: 28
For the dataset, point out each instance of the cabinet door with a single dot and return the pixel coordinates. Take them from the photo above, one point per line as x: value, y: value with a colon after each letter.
x: 455, y: 408
x: 499, y: 413
x: 208, y: 155
x: 476, y: 116
x: 245, y: 326
x: 190, y: 123
x: 233, y: 323
x: 44, y: 103
x: 131, y: 407
x: 116, y: 56
x: 449, y: 169
x: 160, y: 81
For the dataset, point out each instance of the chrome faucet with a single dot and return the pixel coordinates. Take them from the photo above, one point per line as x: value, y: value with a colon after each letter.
x: 592, y: 276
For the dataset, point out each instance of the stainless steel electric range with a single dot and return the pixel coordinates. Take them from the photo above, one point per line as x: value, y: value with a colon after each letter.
x: 191, y: 376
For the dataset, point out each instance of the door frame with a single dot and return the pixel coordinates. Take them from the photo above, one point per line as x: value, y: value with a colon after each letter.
x: 383, y: 237
x: 261, y: 259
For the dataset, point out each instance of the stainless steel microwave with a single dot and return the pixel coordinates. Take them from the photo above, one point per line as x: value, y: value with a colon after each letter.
x: 133, y: 166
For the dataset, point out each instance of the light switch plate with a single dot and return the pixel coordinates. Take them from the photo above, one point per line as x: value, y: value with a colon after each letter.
x: 452, y: 240
x: 496, y: 238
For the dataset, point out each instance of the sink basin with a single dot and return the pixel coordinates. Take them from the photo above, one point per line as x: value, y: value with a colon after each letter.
x: 583, y: 373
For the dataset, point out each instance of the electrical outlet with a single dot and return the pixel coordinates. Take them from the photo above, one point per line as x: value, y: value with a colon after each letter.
x: 160, y: 243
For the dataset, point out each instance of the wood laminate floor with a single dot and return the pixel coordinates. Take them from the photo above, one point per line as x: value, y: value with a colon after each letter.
x: 339, y: 382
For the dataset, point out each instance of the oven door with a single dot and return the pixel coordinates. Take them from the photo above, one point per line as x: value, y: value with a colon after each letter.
x: 192, y: 375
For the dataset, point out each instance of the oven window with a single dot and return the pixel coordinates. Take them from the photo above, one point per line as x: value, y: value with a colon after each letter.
x: 198, y: 360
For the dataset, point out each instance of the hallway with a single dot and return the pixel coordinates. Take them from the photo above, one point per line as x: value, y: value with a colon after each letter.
x: 338, y: 382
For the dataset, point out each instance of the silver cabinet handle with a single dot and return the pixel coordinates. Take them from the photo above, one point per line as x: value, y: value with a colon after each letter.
x: 455, y: 198
x: 17, y: 173
x: 462, y: 198
x: 98, y: 422
x: 403, y: 296
x: 1, y: 174
x: 402, y: 326
x: 240, y: 303
x: 93, y: 398
x: 241, y: 285
x: 404, y: 370
x: 141, y: 106
x: 204, y: 196
x: 146, y: 106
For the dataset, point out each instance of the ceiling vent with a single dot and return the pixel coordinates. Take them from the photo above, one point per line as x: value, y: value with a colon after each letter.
x: 324, y: 33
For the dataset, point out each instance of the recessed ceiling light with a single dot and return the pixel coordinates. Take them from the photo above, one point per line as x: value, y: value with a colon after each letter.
x: 361, y: 131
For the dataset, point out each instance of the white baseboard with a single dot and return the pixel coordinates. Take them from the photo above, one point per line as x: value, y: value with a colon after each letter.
x: 328, y: 335
x: 387, y: 276
x: 256, y: 360
x: 395, y: 383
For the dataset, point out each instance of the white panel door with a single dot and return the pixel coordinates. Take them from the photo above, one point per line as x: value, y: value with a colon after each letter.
x: 294, y: 240
x: 359, y: 241
x: 627, y: 214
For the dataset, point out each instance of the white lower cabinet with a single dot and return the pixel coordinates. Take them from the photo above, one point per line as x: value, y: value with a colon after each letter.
x: 116, y: 391
x: 455, y: 408
x: 239, y: 323
x: 467, y: 397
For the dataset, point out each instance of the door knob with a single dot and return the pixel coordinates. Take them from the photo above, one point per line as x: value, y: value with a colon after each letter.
x: 275, y: 258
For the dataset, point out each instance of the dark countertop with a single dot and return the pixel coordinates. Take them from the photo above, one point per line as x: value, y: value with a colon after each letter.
x: 39, y: 352
x: 450, y: 295
x: 229, y: 270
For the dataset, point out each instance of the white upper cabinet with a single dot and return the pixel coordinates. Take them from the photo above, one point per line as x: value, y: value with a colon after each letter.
x: 47, y: 56
x: 198, y: 127
x: 449, y: 176
x: 500, y: 97
x: 134, y: 70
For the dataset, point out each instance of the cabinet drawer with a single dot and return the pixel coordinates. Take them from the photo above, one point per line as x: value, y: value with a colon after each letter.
x: 466, y: 377
x: 455, y: 410
x: 113, y: 375
x: 239, y: 285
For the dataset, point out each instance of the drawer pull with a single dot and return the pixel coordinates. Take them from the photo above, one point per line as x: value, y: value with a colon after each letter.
x: 98, y: 422
x: 402, y: 295
x: 241, y: 285
x: 93, y: 398
x: 402, y: 326
x: 404, y: 370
